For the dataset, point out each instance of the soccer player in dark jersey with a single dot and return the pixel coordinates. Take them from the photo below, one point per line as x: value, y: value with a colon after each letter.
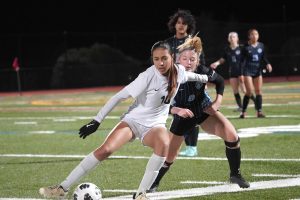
x: 192, y: 106
x: 233, y: 56
x: 255, y: 60
x: 182, y: 24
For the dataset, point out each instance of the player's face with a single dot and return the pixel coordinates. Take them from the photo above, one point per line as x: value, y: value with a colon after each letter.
x: 189, y: 59
x: 180, y: 26
x: 254, y: 36
x: 162, y: 60
x: 233, y: 39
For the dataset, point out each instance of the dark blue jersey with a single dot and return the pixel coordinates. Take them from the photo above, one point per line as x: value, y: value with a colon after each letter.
x: 234, y: 58
x: 192, y: 95
x: 254, y: 59
x: 175, y: 42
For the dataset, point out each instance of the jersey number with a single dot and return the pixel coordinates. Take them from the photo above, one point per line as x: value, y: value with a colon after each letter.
x: 165, y: 100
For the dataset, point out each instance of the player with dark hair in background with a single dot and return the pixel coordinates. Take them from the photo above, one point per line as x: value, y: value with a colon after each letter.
x: 183, y: 24
x: 233, y: 56
x: 196, y: 108
x: 255, y: 60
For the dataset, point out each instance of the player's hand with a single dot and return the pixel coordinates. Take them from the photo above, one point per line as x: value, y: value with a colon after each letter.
x: 269, y: 68
x: 185, y: 113
x: 211, y: 74
x: 88, y: 129
x: 213, y: 108
x: 213, y: 65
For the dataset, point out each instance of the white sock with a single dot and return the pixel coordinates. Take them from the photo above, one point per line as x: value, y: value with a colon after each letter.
x: 154, y: 164
x: 87, y: 164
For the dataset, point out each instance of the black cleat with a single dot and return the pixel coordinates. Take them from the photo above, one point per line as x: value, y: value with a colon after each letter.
x: 260, y: 115
x: 238, y: 179
x: 242, y: 115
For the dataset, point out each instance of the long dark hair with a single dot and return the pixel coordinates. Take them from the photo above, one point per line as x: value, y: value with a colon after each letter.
x: 172, y: 75
x: 187, y: 18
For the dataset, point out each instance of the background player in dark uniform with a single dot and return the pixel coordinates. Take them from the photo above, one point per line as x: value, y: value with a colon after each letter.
x: 233, y: 56
x: 182, y: 24
x: 192, y: 106
x: 255, y: 60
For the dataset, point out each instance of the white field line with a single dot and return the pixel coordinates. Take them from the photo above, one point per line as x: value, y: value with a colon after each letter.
x: 203, y: 182
x: 146, y: 157
x: 277, y: 175
x: 25, y: 123
x: 195, y: 192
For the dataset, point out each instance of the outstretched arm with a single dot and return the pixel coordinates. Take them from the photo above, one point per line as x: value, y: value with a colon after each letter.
x: 92, y: 126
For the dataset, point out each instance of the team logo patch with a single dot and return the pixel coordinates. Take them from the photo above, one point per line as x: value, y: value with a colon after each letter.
x: 198, y: 85
x: 259, y: 50
x: 237, y: 52
x: 191, y: 98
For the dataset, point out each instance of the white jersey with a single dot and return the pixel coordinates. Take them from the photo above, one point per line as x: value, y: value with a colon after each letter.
x: 150, y: 91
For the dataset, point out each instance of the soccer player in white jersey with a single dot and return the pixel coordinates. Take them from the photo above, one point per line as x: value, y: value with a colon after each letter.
x: 153, y: 91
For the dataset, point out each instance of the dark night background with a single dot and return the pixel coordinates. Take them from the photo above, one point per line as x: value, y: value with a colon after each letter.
x: 41, y: 32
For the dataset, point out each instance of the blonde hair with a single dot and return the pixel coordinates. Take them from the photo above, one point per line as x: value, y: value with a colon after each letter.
x: 232, y: 34
x: 191, y: 43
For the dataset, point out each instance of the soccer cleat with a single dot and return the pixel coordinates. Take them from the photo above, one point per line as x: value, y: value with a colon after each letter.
x: 191, y: 151
x: 55, y: 191
x: 183, y: 152
x: 242, y: 115
x: 141, y: 196
x: 153, y: 188
x: 260, y: 115
x: 239, y: 109
x: 238, y: 179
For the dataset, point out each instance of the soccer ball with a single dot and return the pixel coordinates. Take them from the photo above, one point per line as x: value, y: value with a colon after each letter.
x: 87, y: 191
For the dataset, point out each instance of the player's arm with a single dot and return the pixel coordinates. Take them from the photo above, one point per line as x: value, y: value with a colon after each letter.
x: 92, y: 126
x: 214, y: 65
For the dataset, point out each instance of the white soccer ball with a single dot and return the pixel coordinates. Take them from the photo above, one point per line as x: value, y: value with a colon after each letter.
x: 87, y: 191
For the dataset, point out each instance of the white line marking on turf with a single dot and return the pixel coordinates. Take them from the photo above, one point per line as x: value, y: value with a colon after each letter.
x: 124, y: 191
x: 41, y: 132
x: 277, y: 175
x: 195, y: 192
x: 25, y: 123
x: 146, y: 157
x: 203, y: 182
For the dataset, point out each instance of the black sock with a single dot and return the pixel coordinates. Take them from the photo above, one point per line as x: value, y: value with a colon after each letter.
x: 191, y: 136
x: 234, y: 160
x: 252, y: 98
x: 163, y: 170
x: 245, y: 102
x: 258, y: 103
x: 238, y: 99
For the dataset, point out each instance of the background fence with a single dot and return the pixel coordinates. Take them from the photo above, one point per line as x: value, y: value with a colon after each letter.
x: 39, y: 52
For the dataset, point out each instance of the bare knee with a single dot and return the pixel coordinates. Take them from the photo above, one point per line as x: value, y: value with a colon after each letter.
x: 103, y: 152
x: 162, y: 147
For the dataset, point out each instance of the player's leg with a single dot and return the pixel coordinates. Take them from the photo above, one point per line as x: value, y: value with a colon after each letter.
x: 234, y: 82
x: 120, y: 135
x: 257, y: 82
x: 219, y: 125
x: 249, y: 92
x: 191, y: 140
x: 158, y: 139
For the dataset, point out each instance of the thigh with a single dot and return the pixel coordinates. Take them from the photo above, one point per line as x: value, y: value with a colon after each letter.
x: 220, y: 126
x: 119, y: 136
x: 158, y: 139
x: 248, y: 84
x: 257, y: 82
x: 234, y: 82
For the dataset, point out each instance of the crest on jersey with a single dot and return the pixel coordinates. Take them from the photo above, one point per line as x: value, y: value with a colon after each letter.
x: 237, y: 52
x: 191, y: 97
x: 198, y: 85
x: 259, y: 50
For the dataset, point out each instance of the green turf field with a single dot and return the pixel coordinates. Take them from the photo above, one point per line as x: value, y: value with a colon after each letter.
x: 38, y: 137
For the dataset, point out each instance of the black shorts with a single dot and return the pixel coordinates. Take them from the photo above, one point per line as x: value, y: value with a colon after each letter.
x: 180, y: 126
x: 235, y: 73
